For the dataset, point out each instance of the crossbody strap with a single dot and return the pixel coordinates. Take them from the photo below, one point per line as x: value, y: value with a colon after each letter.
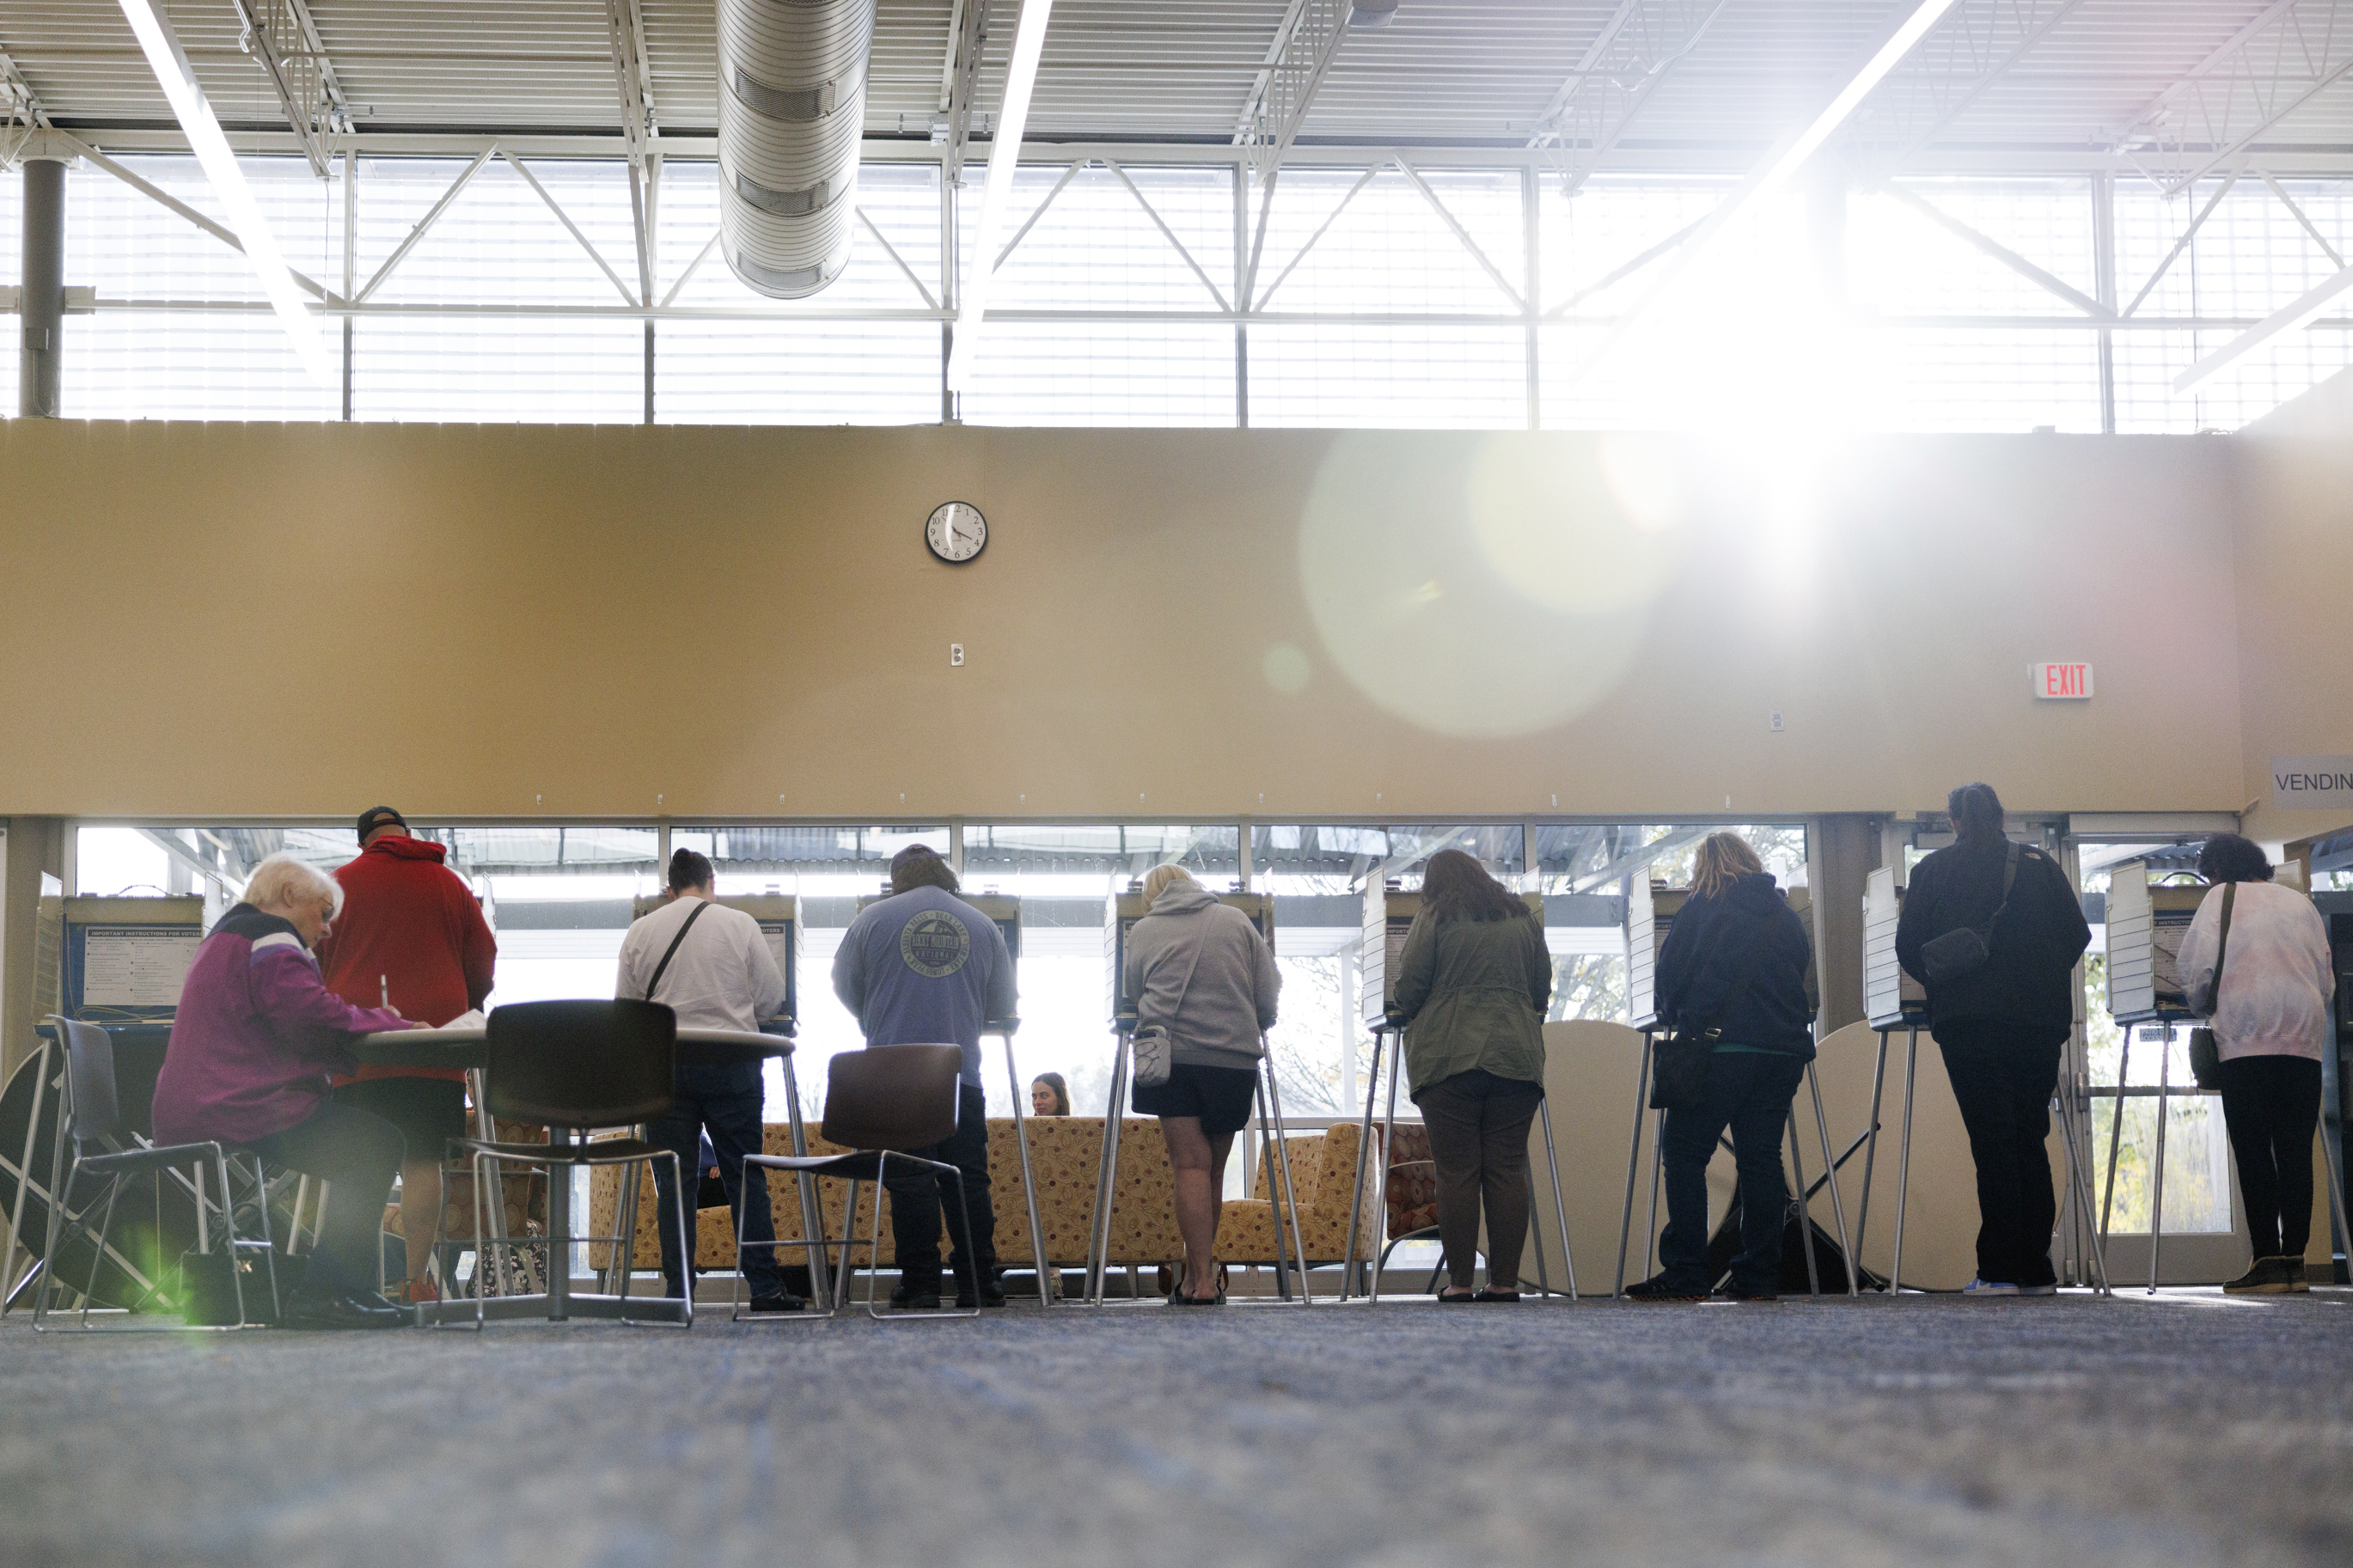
x: 671, y: 952
x: 2222, y: 948
x: 2010, y: 861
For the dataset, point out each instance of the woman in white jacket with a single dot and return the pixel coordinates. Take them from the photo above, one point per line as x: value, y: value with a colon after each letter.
x: 2270, y: 1021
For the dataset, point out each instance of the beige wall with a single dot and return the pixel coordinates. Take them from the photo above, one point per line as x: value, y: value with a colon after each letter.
x: 2295, y: 557
x: 508, y: 620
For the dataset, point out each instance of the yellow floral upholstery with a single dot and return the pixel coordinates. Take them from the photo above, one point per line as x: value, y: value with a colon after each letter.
x: 1065, y: 1152
x: 1324, y: 1167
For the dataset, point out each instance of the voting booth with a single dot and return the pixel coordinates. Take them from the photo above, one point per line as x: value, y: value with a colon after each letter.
x: 122, y: 962
x: 1390, y: 914
x: 2146, y: 922
x: 1652, y: 909
x: 779, y: 915
x: 1005, y: 912
x: 126, y: 959
x: 1123, y: 910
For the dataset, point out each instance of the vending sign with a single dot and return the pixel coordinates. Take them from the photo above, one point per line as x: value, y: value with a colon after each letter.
x: 2062, y: 682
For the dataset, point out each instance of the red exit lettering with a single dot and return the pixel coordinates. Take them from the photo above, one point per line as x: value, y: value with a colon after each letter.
x: 2062, y: 682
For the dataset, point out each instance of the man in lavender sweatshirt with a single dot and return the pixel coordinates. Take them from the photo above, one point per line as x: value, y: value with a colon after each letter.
x: 255, y: 1038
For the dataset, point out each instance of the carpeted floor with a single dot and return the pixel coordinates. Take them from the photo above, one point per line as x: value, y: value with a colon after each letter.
x: 1927, y: 1430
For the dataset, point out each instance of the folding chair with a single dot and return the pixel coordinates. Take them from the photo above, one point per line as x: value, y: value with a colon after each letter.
x: 94, y: 1117
x: 879, y: 1102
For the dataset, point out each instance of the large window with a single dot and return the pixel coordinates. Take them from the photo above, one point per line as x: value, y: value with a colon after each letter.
x: 1382, y: 294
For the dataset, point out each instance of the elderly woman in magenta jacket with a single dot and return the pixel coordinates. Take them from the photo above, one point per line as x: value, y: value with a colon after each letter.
x: 255, y: 1037
x: 2271, y: 1018
x: 1471, y: 988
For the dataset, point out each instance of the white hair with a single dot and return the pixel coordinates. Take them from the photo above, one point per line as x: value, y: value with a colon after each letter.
x: 1156, y: 880
x: 281, y: 879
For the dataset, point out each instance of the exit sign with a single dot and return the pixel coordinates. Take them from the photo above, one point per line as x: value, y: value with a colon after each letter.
x: 2062, y: 682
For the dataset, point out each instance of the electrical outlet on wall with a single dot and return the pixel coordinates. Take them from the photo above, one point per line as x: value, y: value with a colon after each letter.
x: 956, y: 656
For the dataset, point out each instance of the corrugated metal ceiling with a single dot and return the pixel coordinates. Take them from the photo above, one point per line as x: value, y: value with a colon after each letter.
x: 1446, y: 71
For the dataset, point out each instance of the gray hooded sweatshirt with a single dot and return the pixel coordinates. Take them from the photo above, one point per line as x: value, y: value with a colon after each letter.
x: 1230, y: 999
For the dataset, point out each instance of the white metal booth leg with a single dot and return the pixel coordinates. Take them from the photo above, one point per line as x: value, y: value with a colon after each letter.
x: 1559, y: 1212
x: 1277, y: 1147
x: 1004, y: 1031
x: 2079, y: 1186
x: 1904, y: 1157
x: 1871, y: 1149
x: 1633, y: 1159
x: 1829, y: 1177
x: 1369, y: 1273
x: 1107, y: 1170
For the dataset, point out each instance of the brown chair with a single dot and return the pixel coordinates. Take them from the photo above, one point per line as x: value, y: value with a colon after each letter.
x: 879, y: 1102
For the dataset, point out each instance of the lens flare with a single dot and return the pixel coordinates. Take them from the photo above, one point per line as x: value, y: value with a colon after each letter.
x: 1479, y: 587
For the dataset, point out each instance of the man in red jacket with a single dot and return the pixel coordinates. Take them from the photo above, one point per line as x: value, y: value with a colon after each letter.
x: 411, y: 936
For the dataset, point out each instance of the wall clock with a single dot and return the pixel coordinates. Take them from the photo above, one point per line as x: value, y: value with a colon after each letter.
x: 955, y: 531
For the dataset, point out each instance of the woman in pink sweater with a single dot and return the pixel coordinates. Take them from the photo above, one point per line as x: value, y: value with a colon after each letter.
x: 2269, y: 1019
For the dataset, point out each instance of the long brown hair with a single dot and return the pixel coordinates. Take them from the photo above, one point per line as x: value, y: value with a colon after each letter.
x: 1454, y: 887
x: 1722, y: 859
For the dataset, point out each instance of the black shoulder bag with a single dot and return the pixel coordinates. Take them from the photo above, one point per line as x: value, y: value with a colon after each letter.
x: 2205, y: 1045
x: 671, y: 951
x: 1964, y: 950
x: 1679, y: 1062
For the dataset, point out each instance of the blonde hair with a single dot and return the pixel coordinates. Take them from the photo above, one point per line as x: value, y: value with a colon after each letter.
x: 1156, y: 880
x: 1722, y: 859
x: 281, y: 879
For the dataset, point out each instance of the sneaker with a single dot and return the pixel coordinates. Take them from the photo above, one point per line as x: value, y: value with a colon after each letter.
x: 2296, y: 1283
x: 784, y: 1301
x: 353, y: 1310
x: 2269, y: 1276
x: 992, y: 1294
x: 1743, y: 1293
x: 1976, y: 1287
x: 1658, y: 1288
x: 916, y: 1297
x: 2050, y: 1290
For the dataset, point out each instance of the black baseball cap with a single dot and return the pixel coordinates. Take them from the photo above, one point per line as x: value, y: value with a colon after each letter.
x: 377, y: 816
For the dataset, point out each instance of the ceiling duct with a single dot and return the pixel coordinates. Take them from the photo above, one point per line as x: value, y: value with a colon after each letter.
x: 792, y: 107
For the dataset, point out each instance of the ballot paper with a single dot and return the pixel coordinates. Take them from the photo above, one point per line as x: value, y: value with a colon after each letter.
x: 472, y: 1018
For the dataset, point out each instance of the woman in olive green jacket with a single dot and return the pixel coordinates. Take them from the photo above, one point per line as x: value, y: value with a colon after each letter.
x: 1472, y: 987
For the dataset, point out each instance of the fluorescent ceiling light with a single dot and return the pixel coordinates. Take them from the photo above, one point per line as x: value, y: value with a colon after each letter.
x: 178, y: 81
x: 1786, y: 162
x: 2265, y: 333
x: 1003, y: 153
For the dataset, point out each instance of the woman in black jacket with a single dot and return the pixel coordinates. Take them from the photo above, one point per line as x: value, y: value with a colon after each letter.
x: 1736, y: 922
x: 2000, y: 1026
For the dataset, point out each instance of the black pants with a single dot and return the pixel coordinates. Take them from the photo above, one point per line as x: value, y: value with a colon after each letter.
x: 1748, y: 1091
x: 917, y: 1198
x: 2271, y: 1105
x: 725, y: 1101
x: 358, y: 1154
x: 2003, y: 1074
x: 1478, y: 1126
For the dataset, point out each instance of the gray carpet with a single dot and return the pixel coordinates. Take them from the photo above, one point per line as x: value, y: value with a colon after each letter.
x: 2183, y: 1430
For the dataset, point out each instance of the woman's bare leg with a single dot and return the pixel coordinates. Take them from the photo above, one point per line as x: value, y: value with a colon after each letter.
x: 420, y: 1211
x: 1198, y: 1163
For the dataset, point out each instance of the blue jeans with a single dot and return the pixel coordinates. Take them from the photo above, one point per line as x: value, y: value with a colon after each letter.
x: 1748, y: 1091
x: 725, y: 1101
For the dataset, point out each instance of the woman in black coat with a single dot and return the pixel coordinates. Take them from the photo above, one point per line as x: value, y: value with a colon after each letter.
x: 1734, y: 960
x: 2002, y: 1026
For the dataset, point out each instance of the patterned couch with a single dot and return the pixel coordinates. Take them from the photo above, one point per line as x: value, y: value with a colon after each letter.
x: 1064, y: 1153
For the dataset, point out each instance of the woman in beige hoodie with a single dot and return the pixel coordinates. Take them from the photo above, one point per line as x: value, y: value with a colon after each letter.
x: 2269, y: 1019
